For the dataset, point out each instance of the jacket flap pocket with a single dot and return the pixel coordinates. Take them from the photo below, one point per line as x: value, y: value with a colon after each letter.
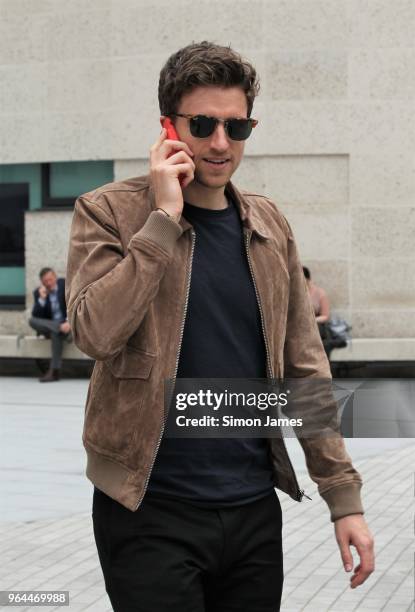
x: 131, y: 363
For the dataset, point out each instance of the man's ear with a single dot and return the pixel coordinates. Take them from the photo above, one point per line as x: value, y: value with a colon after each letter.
x: 162, y: 118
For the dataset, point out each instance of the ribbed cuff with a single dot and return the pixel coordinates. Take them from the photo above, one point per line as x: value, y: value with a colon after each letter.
x: 161, y: 230
x: 344, y: 500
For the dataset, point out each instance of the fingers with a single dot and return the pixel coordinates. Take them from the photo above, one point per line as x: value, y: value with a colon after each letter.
x: 180, y: 157
x: 185, y: 172
x: 178, y: 164
x: 176, y: 145
x: 164, y: 147
x: 185, y: 181
x: 162, y: 137
x: 346, y: 555
x: 171, y: 159
x: 362, y: 571
x: 359, y: 577
x: 366, y: 565
x: 355, y: 579
x: 352, y: 530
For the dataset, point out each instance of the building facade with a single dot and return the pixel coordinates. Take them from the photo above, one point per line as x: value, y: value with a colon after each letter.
x: 334, y: 148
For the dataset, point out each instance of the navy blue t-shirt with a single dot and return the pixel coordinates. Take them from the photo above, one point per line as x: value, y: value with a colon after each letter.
x: 222, y: 338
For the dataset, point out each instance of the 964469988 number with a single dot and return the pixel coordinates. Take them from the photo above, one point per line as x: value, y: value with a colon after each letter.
x: 34, y: 598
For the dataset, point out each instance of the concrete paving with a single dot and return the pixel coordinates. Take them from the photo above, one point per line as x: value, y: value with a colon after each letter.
x: 46, y: 539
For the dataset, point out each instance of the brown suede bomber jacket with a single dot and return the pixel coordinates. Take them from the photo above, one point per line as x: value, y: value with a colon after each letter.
x: 127, y: 286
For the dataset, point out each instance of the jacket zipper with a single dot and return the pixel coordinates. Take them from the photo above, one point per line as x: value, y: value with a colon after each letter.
x: 189, y: 274
x: 248, y: 233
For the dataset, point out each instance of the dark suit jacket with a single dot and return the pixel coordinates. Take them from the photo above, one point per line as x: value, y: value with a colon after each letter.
x: 45, y: 312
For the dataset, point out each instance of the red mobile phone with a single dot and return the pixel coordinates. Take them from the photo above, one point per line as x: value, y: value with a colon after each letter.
x: 172, y: 135
x: 171, y: 131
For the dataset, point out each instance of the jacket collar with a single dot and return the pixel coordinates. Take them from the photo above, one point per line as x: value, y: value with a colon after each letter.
x: 248, y: 212
x: 251, y: 219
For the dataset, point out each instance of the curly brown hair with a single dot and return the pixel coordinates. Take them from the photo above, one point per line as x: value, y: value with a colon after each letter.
x: 201, y: 64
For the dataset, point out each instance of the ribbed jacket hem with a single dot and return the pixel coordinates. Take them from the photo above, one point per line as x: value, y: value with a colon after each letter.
x: 161, y: 230
x: 112, y: 478
x: 344, y: 500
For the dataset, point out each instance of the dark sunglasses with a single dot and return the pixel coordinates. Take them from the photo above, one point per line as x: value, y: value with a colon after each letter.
x: 202, y: 126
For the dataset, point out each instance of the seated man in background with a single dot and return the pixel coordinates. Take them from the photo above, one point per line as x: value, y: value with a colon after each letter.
x: 49, y: 318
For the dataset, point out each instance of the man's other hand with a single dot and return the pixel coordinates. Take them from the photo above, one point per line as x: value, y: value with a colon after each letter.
x: 352, y: 530
x: 65, y: 328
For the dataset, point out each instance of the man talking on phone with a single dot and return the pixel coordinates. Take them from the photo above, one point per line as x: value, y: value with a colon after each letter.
x: 49, y: 318
x: 180, y: 275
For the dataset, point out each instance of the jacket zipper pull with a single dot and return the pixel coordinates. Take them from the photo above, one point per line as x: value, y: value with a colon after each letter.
x: 303, y: 494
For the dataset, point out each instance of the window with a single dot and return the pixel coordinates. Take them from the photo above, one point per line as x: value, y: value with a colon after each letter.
x: 30, y: 187
x: 20, y: 190
x: 14, y: 200
x: 63, y: 182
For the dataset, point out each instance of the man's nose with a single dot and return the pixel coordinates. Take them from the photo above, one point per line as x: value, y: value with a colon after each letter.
x: 219, y: 139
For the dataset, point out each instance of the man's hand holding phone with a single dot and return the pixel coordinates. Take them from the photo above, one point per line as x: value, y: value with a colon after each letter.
x: 43, y: 292
x: 171, y: 169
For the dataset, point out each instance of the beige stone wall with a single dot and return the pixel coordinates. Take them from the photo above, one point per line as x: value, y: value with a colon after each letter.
x: 46, y: 240
x: 335, y: 147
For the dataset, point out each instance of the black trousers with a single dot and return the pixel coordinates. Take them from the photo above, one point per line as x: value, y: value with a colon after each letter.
x: 172, y: 556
